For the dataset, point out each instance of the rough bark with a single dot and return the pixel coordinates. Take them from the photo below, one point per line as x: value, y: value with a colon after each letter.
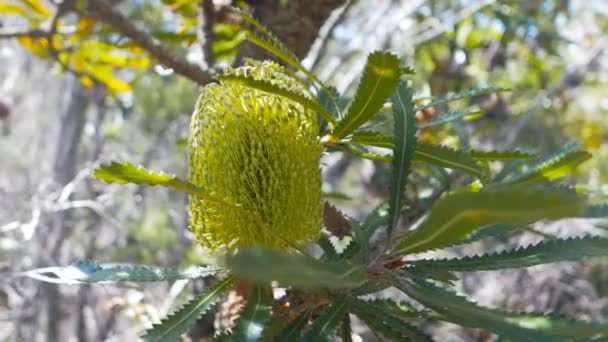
x: 297, y: 23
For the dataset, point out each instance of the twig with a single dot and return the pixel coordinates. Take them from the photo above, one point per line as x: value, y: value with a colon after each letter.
x: 105, y: 12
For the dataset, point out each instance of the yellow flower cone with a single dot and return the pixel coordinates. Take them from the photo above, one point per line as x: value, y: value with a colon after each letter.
x: 261, y: 152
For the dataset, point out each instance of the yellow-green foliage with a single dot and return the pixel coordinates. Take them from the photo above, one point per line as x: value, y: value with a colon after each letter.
x: 260, y: 151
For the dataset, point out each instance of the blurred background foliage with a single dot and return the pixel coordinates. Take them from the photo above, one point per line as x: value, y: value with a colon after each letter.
x: 81, y: 84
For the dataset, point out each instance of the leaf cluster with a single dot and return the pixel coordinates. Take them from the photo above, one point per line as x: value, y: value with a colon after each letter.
x: 323, y: 292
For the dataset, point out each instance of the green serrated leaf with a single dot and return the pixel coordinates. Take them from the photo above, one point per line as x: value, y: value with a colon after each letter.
x: 501, y: 155
x: 351, y: 250
x: 465, y: 94
x: 124, y: 173
x: 273, y: 88
x: 541, y: 253
x: 455, y: 217
x: 371, y: 138
x: 300, y: 271
x: 328, y: 321
x: 456, y: 309
x: 254, y: 316
x: 397, y: 309
x: 294, y: 328
x: 449, y: 117
x: 379, y: 80
x: 378, y: 217
x: 559, y: 325
x: 369, y: 288
x: 433, y: 154
x: 180, y: 321
x: 90, y: 272
x: 403, y: 151
x: 329, y: 250
x: 550, y: 169
x: 381, y: 319
x: 346, y: 331
x: 449, y: 158
x: 491, y: 230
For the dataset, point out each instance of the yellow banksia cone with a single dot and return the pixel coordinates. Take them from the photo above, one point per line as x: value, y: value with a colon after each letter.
x: 261, y: 152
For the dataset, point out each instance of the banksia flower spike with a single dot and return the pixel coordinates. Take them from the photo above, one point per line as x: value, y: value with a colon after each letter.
x: 261, y: 152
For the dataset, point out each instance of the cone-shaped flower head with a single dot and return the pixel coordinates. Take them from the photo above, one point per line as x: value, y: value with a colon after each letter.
x: 261, y: 152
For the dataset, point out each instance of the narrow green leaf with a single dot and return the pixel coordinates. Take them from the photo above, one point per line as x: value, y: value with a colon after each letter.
x: 541, y: 253
x: 274, y: 45
x: 300, y: 271
x: 401, y: 309
x: 403, y: 151
x: 371, y: 138
x: 491, y: 230
x: 124, y: 173
x: 369, y: 287
x: 449, y: 117
x: 551, y: 169
x: 90, y: 272
x: 329, y: 250
x: 501, y: 155
x: 180, y: 321
x: 379, y: 80
x: 273, y: 88
x: 465, y: 94
x: 449, y: 158
x: 346, y: 331
x: 382, y: 319
x: 457, y: 309
x: 254, y: 316
x: 328, y: 321
x: 559, y: 325
x: 351, y: 250
x: 455, y: 217
x: 294, y: 328
x: 433, y: 154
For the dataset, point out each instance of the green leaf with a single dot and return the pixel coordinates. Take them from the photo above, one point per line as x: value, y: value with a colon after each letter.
x: 346, y: 331
x: 403, y: 151
x: 294, y: 328
x: 90, y: 272
x: 180, y: 321
x: 455, y: 217
x: 371, y: 138
x: 433, y: 154
x: 378, y: 217
x: 501, y: 155
x: 397, y: 309
x: 541, y: 253
x: 491, y: 230
x: 449, y: 117
x: 301, y: 271
x: 457, y: 309
x: 369, y: 288
x: 382, y: 319
x: 273, y: 88
x: 329, y: 250
x: 449, y: 158
x: 124, y: 173
x: 558, y: 325
x: 326, y: 324
x: 455, y: 97
x: 379, y: 80
x: 254, y: 316
x: 551, y: 169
